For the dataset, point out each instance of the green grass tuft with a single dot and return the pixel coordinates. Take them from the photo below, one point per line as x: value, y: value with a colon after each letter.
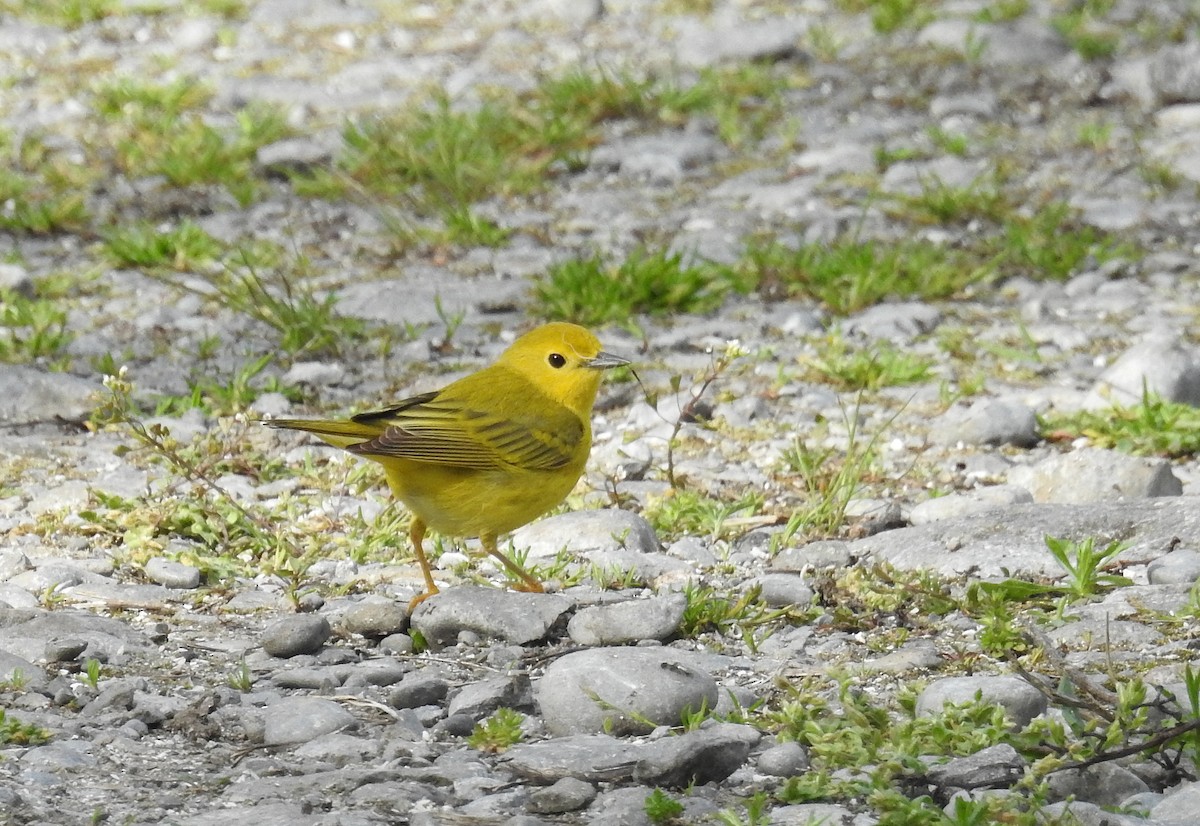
x: 847, y: 274
x: 658, y: 282
x: 1152, y: 428
x: 183, y: 247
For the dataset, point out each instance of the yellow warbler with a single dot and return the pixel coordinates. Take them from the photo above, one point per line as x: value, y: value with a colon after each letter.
x: 491, y: 451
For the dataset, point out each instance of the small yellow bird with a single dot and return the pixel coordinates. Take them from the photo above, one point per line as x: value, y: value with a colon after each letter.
x: 490, y: 452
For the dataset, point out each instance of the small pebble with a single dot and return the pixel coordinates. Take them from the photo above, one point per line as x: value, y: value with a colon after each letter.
x: 375, y: 618
x: 786, y: 759
x: 299, y: 634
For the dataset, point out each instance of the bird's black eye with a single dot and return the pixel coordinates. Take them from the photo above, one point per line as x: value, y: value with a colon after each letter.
x: 556, y: 360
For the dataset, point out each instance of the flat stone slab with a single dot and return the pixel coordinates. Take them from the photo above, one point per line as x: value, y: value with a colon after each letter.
x: 493, y: 613
x: 1011, y: 541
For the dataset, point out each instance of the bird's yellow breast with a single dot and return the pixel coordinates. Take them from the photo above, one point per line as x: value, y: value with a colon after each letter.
x: 467, y: 502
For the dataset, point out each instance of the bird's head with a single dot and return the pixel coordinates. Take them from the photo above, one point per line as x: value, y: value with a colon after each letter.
x: 564, y: 360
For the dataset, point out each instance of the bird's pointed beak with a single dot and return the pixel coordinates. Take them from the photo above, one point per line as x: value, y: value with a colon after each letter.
x: 603, y: 361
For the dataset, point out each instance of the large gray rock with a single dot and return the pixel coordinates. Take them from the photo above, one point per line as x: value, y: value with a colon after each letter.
x: 26, y: 633
x: 996, y: 766
x: 423, y: 295
x: 620, y: 623
x: 1175, y: 73
x: 1180, y: 805
x: 1022, y: 43
x: 728, y: 38
x: 1012, y: 541
x: 492, y: 613
x: 621, y: 690
x: 1179, y: 566
x: 28, y: 394
x: 706, y: 755
x: 592, y: 757
x: 20, y: 671
x: 1160, y: 365
x: 898, y: 321
x: 1103, y: 634
x: 1093, y: 475
x: 979, y: 500
x: 584, y: 532
x: 264, y: 814
x: 374, y: 618
x: 565, y: 795
x: 478, y: 700
x: 784, y: 759
x: 1105, y: 784
x: 301, y: 719
x: 989, y: 422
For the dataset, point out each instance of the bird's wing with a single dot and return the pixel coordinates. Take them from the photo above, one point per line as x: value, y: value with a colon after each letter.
x: 480, y: 431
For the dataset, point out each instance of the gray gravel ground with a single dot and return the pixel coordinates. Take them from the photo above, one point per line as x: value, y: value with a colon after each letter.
x: 217, y: 702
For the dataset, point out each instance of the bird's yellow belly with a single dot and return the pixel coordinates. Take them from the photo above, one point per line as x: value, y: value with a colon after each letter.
x: 469, y: 503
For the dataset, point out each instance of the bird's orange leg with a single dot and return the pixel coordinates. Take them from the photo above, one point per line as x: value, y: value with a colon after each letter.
x: 528, y: 582
x: 416, y: 534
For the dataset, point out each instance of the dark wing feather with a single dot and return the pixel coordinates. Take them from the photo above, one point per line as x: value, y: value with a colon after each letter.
x: 462, y: 427
x: 390, y: 412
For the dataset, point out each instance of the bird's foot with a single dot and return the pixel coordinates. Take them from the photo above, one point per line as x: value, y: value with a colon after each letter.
x: 419, y: 598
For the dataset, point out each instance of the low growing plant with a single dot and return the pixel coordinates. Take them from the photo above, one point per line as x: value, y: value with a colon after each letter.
x: 498, y: 732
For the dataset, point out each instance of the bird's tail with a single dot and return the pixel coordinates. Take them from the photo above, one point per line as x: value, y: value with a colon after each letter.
x: 337, y: 432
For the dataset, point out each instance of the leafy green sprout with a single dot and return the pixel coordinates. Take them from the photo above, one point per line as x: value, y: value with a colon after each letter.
x: 689, y: 410
x: 662, y: 808
x: 861, y: 750
x: 1053, y: 244
x: 41, y: 202
x: 17, y: 733
x: 1191, y: 685
x: 130, y: 98
x: 1095, y: 135
x: 952, y: 143
x: 1003, y: 11
x: 890, y: 15
x: 942, y: 203
x: 91, y: 670
x: 1154, y: 427
x: 241, y: 678
x: 229, y: 396
x: 968, y: 812
x: 754, y: 812
x: 831, y: 477
x: 709, y: 611
x: 614, y: 577
x: 999, y: 635
x: 1085, y: 29
x: 685, y: 512
x: 307, y: 324
x: 189, y: 151
x: 1084, y: 564
x: 498, y: 732
x: 31, y: 329
x: 856, y: 368
x: 16, y: 681
x: 691, y: 720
